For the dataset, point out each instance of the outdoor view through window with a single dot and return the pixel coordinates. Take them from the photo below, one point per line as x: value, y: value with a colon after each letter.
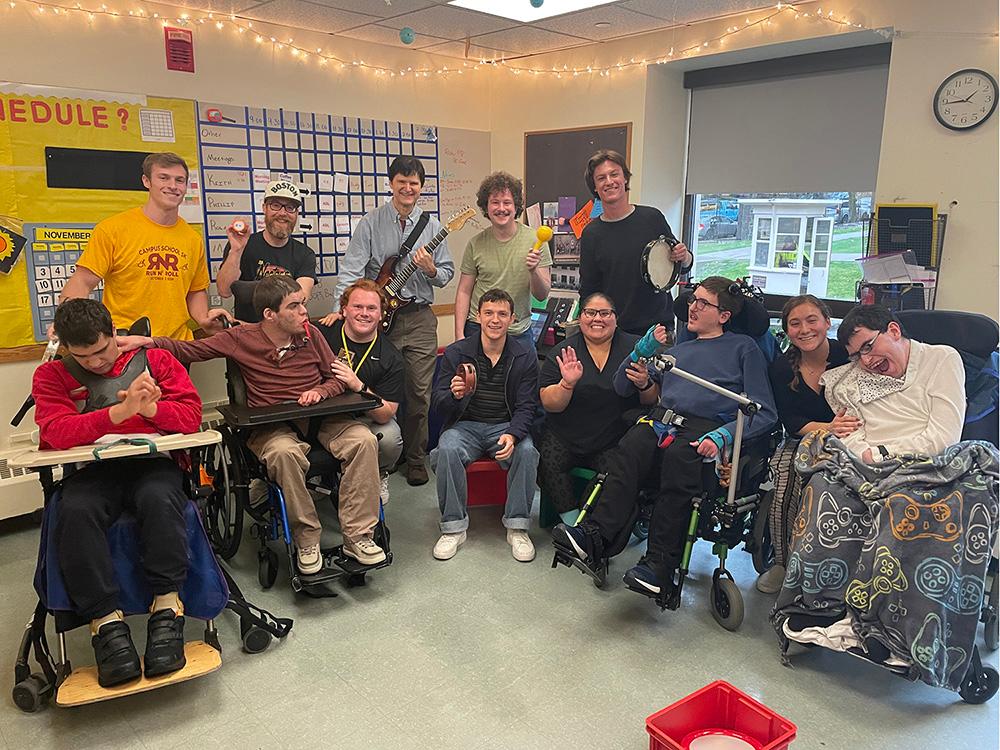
x: 787, y: 243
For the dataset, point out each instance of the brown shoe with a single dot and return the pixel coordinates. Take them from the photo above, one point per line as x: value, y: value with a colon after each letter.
x: 416, y: 475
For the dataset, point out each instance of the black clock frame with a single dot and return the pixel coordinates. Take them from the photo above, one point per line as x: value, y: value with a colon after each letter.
x: 988, y: 115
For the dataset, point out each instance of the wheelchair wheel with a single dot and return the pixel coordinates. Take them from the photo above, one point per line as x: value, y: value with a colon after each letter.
x: 762, y: 550
x: 256, y: 640
x: 224, y: 508
x: 267, y: 568
x: 727, y: 604
x: 31, y: 693
x: 979, y: 688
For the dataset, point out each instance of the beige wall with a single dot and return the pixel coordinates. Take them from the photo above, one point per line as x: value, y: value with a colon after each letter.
x: 919, y: 160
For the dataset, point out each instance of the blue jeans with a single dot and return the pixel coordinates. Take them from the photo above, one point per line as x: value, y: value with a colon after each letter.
x: 466, y: 442
x: 474, y: 329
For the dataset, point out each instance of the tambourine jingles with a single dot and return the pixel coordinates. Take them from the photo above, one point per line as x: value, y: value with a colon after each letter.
x: 658, y: 269
x: 467, y: 372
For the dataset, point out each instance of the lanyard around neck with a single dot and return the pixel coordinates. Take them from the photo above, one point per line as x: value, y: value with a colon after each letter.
x: 343, y: 338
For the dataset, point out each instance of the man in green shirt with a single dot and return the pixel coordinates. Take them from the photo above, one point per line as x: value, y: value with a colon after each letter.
x: 502, y: 257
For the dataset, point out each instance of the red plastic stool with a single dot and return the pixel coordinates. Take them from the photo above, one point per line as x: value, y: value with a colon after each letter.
x: 719, y: 710
x: 487, y: 482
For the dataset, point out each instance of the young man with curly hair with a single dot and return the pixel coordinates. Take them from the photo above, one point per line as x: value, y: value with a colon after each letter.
x: 501, y: 257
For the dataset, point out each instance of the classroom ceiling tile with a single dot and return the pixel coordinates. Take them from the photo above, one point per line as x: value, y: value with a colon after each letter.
x: 380, y: 8
x: 528, y: 40
x: 457, y: 50
x: 299, y: 14
x: 689, y: 11
x: 452, y: 23
x: 216, y: 6
x: 605, y: 22
x: 379, y: 34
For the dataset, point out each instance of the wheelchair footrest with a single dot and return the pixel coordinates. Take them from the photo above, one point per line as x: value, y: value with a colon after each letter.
x: 565, y: 556
x: 351, y: 566
x: 81, y: 687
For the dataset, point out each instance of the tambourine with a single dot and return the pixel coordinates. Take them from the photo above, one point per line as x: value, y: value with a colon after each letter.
x: 658, y: 269
x: 467, y: 372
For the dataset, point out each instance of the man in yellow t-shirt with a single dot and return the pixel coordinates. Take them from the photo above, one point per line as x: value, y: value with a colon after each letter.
x: 152, y: 263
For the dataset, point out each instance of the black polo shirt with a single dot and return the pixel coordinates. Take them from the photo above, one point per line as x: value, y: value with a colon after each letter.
x: 381, y: 371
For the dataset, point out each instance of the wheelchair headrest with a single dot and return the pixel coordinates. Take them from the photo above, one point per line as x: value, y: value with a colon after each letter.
x: 967, y: 332
x: 243, y: 292
x: 753, y: 320
x: 141, y: 327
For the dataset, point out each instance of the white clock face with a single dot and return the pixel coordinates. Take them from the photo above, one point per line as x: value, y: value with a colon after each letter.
x: 965, y: 100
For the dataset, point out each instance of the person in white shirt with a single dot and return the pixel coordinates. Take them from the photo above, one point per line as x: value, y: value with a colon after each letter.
x: 909, y: 396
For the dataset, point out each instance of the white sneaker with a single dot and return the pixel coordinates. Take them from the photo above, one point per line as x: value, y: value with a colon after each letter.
x: 310, y: 560
x: 448, y: 545
x: 365, y: 551
x: 520, y: 545
x: 383, y: 489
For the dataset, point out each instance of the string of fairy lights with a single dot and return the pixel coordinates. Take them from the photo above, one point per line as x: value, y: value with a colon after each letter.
x: 297, y: 51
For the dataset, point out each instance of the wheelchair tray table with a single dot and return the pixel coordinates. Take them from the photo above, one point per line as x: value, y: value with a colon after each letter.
x: 344, y: 403
x: 35, y: 458
x: 81, y: 686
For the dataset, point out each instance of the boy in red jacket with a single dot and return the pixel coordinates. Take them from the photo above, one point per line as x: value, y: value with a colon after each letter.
x: 100, y: 391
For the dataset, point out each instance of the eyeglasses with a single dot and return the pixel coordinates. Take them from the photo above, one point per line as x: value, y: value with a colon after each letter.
x: 590, y: 312
x: 288, y: 208
x: 865, y: 348
x: 700, y: 303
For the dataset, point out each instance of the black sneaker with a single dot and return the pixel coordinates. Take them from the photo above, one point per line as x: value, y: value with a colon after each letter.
x: 643, y: 578
x: 164, y: 643
x: 576, y: 540
x: 117, y: 659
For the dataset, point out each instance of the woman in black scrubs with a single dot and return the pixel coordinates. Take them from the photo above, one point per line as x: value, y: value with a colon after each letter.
x: 584, y: 418
x: 802, y: 409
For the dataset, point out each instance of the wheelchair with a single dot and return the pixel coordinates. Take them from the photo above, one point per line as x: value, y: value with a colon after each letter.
x: 714, y: 517
x: 233, y: 466
x: 208, y: 591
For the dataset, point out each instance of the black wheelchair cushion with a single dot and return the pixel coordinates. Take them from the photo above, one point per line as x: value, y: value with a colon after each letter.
x: 321, y: 463
x: 964, y: 331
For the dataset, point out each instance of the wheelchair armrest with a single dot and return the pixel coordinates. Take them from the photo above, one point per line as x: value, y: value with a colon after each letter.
x: 35, y: 458
x: 345, y: 403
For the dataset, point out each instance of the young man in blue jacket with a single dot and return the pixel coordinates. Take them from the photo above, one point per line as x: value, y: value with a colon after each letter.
x: 691, y: 424
x: 492, y: 417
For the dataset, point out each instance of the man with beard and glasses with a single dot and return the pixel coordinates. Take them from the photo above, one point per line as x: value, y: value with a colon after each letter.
x: 502, y: 257
x: 270, y: 252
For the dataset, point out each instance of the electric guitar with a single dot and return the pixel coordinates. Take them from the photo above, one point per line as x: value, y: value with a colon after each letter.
x: 393, y: 275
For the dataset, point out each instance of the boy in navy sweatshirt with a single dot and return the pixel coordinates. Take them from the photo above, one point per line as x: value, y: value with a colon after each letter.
x: 707, y: 427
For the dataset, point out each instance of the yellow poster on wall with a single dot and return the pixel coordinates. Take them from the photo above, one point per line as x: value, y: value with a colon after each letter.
x: 68, y: 159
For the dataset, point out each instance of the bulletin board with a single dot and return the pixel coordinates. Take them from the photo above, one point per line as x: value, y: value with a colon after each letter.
x: 66, y: 162
x: 555, y: 160
x: 70, y: 158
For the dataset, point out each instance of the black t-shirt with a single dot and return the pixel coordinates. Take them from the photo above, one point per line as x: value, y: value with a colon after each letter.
x: 381, y: 371
x: 261, y: 259
x: 796, y: 408
x: 594, y: 418
x: 611, y: 262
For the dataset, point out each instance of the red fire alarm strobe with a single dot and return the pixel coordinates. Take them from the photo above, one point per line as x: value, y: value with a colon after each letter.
x: 179, y: 44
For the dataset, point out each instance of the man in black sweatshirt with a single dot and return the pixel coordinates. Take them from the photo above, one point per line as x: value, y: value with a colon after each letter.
x: 611, y: 247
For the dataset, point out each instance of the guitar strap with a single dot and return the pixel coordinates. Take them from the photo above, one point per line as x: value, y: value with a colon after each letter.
x: 412, y: 238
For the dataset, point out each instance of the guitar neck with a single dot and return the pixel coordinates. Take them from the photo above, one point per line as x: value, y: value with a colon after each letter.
x: 404, y: 272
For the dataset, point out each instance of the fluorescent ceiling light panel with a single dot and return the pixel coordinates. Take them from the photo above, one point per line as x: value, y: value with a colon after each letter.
x: 522, y: 11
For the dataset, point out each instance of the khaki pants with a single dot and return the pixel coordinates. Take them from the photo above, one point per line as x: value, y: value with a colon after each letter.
x: 285, y: 457
x: 415, y: 335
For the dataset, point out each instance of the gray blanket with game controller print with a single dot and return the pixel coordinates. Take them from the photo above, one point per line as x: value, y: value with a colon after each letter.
x: 901, y: 546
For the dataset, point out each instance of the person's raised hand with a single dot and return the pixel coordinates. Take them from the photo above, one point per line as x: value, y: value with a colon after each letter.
x: 506, y: 443
x: 532, y: 259
x: 457, y: 386
x: 570, y: 368
x: 238, y: 233
x: 660, y: 334
x: 637, y: 374
x: 678, y: 253
x: 347, y: 376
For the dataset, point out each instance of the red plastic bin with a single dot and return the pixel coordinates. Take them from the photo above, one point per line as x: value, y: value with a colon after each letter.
x: 487, y: 482
x: 718, y: 706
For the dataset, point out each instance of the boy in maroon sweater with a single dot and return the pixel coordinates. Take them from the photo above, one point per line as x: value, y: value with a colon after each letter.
x: 281, y: 364
x: 100, y: 391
